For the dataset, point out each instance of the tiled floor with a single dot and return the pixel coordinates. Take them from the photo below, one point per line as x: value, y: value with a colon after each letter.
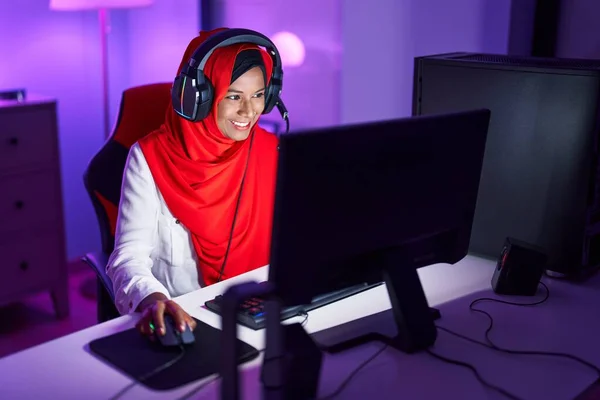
x: 32, y: 321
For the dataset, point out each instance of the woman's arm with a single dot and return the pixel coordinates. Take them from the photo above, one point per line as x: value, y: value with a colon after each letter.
x: 130, y: 265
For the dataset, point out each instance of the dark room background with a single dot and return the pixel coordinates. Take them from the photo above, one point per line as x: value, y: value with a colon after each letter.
x: 350, y: 60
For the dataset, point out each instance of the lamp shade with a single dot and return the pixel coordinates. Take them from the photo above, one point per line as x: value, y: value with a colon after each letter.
x: 291, y: 48
x: 78, y: 5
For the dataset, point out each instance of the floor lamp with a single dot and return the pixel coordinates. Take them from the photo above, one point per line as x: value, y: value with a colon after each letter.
x: 88, y: 287
x: 102, y: 7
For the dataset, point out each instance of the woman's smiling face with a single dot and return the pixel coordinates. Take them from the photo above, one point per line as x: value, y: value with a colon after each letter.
x: 242, y: 106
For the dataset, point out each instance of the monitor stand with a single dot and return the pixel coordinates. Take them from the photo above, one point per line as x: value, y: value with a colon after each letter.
x: 371, y: 337
x: 413, y: 317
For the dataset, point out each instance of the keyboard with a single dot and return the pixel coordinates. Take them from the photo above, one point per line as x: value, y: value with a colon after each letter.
x: 252, y: 314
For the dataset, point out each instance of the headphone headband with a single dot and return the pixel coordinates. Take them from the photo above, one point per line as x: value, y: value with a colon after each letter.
x: 192, y: 92
x: 233, y: 36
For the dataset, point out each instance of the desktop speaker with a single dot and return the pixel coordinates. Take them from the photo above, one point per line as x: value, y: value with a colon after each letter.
x: 519, y: 268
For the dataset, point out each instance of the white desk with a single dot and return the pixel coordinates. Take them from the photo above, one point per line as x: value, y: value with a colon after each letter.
x: 568, y: 322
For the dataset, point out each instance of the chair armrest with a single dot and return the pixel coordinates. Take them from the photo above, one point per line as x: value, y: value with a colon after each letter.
x: 98, y: 261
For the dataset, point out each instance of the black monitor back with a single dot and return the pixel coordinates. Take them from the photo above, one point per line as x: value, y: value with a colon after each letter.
x: 540, y: 173
x: 347, y: 195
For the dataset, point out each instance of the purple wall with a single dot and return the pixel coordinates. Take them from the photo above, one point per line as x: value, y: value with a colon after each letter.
x: 53, y: 54
x: 158, y: 37
x: 371, y: 78
x: 147, y: 44
x: 522, y: 19
x: 579, y: 30
x: 380, y: 45
x: 57, y: 54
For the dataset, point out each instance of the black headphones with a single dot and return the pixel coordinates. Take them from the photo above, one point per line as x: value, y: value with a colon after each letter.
x: 192, y: 93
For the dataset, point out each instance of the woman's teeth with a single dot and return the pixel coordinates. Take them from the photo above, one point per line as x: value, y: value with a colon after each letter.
x: 240, y: 124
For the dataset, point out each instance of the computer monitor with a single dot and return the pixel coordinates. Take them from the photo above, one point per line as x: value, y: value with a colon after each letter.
x: 540, y: 179
x: 373, y: 202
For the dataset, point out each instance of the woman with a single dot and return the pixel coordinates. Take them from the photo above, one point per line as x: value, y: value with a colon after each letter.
x: 182, y: 191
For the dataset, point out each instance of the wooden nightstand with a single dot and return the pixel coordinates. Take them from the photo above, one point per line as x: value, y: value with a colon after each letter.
x: 32, y: 237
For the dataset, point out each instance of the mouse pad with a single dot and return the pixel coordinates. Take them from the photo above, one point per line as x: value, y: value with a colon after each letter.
x: 137, y: 356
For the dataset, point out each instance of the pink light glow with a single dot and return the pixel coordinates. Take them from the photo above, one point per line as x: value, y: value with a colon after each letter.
x: 77, y: 5
x: 290, y: 48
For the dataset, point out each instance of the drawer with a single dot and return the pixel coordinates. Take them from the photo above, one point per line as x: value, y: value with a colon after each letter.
x: 27, y: 137
x: 30, y: 263
x: 29, y: 200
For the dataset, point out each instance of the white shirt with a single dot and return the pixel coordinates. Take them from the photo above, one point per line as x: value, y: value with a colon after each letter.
x: 153, y: 251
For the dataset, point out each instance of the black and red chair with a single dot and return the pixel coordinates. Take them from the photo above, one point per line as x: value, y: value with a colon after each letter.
x: 142, y: 111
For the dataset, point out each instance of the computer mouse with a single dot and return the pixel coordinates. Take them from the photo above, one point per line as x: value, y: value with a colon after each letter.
x: 173, y: 337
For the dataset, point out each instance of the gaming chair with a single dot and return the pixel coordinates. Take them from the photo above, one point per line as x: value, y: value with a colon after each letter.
x: 142, y: 110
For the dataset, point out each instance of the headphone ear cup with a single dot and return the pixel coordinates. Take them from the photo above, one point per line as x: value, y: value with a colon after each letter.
x: 268, y: 100
x: 273, y: 91
x: 206, y: 94
x: 271, y: 97
x: 177, y: 91
x: 189, y: 101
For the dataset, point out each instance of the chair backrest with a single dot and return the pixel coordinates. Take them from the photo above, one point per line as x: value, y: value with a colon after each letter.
x: 142, y: 111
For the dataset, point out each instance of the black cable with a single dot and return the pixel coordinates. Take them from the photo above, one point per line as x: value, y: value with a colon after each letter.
x: 476, y: 372
x: 524, y: 352
x: 199, y: 387
x: 203, y: 385
x: 512, y: 303
x: 214, y: 379
x: 304, y: 314
x: 151, y: 374
x: 284, y: 113
x: 285, y: 116
x: 287, y: 125
x: 439, y: 357
x: 348, y: 378
x: 491, y: 345
x: 236, y: 210
x: 329, y: 396
x: 353, y: 373
x: 300, y: 313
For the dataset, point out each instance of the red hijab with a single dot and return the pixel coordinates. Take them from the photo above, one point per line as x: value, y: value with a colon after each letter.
x: 199, y: 174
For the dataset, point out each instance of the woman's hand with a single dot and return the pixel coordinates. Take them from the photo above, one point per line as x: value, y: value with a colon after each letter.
x: 153, y: 309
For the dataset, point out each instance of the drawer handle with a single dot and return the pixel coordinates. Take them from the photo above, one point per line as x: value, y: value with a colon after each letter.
x: 24, y: 266
x: 13, y: 141
x: 19, y: 204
